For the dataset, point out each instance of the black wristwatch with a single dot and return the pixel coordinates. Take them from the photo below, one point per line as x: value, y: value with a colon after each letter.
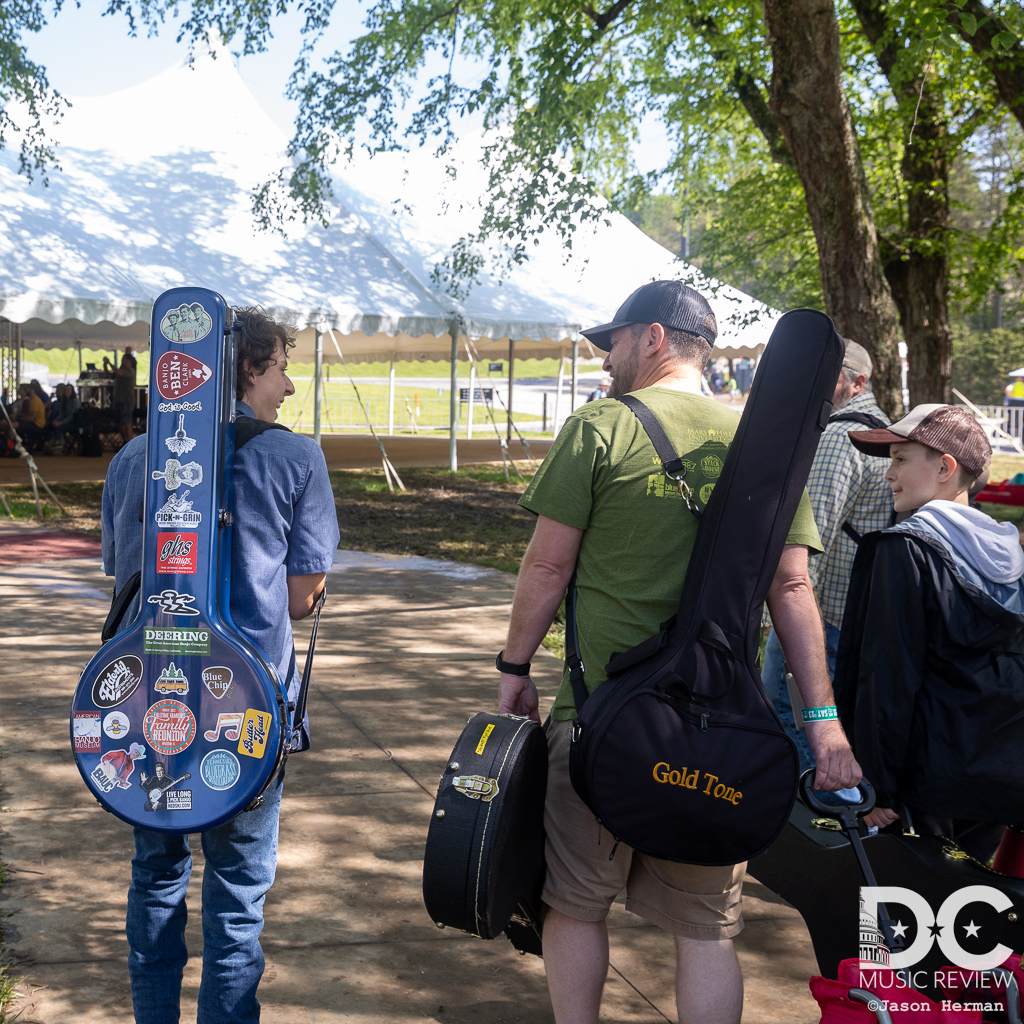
x: 510, y: 667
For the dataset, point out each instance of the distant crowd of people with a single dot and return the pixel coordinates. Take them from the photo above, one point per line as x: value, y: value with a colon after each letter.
x: 58, y: 423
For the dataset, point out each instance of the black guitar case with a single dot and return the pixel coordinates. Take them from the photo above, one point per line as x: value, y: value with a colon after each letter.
x: 483, y: 868
x: 679, y: 753
x: 812, y: 866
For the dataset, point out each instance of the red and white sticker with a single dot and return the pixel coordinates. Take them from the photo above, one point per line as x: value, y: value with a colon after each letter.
x: 178, y: 373
x: 86, y: 730
x: 176, y: 553
x: 169, y: 727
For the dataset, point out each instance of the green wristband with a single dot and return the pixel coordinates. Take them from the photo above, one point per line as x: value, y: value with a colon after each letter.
x: 820, y: 714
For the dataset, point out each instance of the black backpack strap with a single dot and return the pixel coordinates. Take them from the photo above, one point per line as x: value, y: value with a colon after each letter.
x: 247, y: 427
x: 572, y: 647
x: 864, y: 418
x: 670, y: 461
x: 299, y: 713
x: 119, y: 605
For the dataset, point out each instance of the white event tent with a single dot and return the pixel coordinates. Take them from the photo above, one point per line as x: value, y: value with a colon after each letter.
x: 154, y: 191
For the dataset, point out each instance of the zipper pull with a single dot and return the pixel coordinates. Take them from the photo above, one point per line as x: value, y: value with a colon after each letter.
x: 704, y: 721
x: 614, y: 848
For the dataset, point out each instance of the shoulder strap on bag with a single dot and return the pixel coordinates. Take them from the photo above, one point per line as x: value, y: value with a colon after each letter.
x: 572, y: 647
x: 299, y: 713
x: 864, y: 418
x: 246, y: 428
x: 670, y: 461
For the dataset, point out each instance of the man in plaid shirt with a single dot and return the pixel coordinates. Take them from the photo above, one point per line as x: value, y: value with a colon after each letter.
x: 847, y: 488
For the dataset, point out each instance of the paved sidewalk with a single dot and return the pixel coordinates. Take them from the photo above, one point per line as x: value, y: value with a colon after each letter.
x: 405, y: 656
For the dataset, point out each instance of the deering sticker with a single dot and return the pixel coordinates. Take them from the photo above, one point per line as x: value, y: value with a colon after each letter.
x: 175, y: 641
x: 254, y: 733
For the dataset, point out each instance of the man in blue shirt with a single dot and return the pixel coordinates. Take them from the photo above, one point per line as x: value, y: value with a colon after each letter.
x: 285, y: 536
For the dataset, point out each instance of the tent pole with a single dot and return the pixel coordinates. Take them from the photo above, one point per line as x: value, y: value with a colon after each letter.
x: 453, y: 397
x: 558, y: 393
x: 472, y: 385
x: 575, y: 374
x: 318, y: 376
x: 511, y: 379
x: 391, y: 396
x: 78, y: 345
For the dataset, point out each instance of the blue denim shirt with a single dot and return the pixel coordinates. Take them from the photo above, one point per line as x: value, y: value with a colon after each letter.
x: 285, y: 525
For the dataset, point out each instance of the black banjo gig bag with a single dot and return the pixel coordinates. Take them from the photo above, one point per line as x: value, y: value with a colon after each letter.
x: 679, y: 753
x: 483, y: 867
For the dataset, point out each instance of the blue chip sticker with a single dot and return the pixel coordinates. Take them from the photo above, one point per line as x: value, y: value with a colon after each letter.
x: 220, y: 769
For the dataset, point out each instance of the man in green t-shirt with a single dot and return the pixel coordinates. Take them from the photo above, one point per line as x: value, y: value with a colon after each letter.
x: 605, y: 507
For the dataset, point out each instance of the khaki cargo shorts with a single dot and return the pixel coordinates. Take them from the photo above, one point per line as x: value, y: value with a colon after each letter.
x: 685, y: 899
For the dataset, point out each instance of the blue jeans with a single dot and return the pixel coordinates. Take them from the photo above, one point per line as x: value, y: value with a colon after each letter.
x: 773, y: 675
x: 241, y: 860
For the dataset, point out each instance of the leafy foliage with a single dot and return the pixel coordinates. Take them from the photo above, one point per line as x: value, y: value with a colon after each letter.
x: 27, y: 103
x: 981, y: 361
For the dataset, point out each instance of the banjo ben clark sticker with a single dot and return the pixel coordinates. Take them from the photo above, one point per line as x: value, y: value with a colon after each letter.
x: 169, y: 727
x: 179, y: 374
x: 255, y: 726
x: 176, y: 641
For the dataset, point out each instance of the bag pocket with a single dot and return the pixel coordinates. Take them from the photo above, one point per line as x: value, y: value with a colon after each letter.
x: 690, y: 785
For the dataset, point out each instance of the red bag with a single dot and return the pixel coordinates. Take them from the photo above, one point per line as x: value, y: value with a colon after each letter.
x: 905, y: 1005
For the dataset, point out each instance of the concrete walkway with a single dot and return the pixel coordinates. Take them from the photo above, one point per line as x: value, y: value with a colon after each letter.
x: 405, y: 657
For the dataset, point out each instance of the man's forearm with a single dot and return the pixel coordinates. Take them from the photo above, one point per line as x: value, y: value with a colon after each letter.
x: 539, y: 591
x: 797, y: 621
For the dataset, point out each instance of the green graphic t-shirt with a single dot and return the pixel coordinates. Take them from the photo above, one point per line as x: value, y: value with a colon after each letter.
x: 603, y: 475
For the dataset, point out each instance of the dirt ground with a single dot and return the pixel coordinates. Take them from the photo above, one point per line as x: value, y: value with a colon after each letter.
x: 405, y: 657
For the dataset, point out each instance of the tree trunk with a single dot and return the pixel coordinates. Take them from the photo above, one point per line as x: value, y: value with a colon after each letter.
x: 810, y: 106
x: 919, y: 275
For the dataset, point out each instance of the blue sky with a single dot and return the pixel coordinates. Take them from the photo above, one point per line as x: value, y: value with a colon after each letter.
x: 89, y: 54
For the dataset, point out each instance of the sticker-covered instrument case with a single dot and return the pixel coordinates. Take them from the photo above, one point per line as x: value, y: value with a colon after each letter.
x: 178, y: 723
x: 483, y: 868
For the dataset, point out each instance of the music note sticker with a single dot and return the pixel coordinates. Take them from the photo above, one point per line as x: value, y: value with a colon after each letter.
x: 229, y: 722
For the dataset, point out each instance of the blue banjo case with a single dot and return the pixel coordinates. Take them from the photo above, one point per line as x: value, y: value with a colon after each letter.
x: 179, y: 722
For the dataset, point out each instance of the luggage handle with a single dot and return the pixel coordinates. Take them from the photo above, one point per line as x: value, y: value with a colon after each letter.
x: 846, y: 813
x: 872, y: 1002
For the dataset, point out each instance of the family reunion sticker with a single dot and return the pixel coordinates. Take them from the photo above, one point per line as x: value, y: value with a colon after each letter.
x: 254, y: 733
x: 176, y: 641
x: 117, y: 681
x: 116, y: 725
x: 186, y: 324
x: 220, y: 769
x: 218, y: 681
x: 179, y: 374
x: 115, y: 768
x: 86, y: 731
x: 169, y: 727
x: 172, y: 680
x: 177, y: 553
x: 177, y: 511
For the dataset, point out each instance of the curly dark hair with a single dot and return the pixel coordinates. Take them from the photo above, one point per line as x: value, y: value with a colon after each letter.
x: 257, y: 341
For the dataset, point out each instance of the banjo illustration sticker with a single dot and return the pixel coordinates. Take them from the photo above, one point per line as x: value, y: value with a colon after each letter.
x: 169, y: 727
x: 177, y: 511
x: 174, y: 474
x: 179, y: 443
x: 178, y: 374
x: 115, y: 768
x: 187, y: 323
x: 161, y: 790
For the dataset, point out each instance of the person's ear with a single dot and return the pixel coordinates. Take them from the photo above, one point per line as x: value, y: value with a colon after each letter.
x: 947, y: 468
x: 655, y: 339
